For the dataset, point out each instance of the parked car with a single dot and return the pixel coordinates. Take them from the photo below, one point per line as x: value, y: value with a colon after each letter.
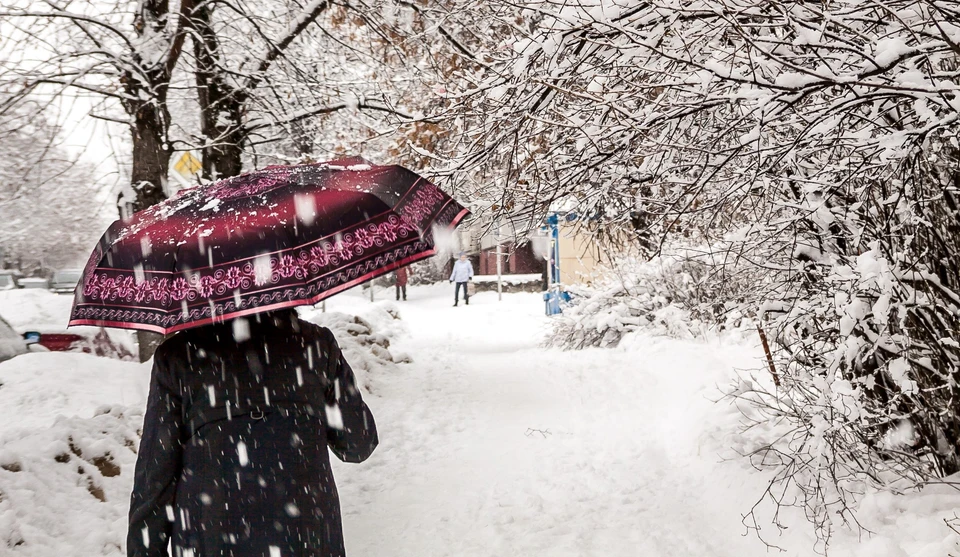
x: 8, y: 279
x: 65, y: 280
x: 13, y: 343
x: 34, y: 282
x: 89, y: 340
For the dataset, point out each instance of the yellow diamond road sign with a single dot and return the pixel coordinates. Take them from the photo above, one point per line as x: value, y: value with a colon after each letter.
x: 188, y: 165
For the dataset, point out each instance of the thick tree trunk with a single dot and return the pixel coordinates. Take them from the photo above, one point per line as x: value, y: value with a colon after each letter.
x: 148, y: 176
x: 146, y: 81
x: 151, y: 154
x: 221, y: 105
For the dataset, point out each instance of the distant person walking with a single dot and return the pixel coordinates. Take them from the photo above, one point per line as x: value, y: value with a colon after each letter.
x: 401, y: 281
x: 462, y: 273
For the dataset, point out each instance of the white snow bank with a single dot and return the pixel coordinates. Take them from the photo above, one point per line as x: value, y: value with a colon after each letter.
x: 910, y: 525
x: 66, y: 462
x: 39, y: 387
x: 65, y: 490
x: 35, y: 309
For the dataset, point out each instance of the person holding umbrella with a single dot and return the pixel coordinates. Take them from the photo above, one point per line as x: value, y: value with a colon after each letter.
x: 245, y: 397
x: 461, y: 275
x: 233, y: 458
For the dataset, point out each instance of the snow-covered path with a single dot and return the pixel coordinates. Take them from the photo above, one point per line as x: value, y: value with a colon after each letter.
x: 491, y: 445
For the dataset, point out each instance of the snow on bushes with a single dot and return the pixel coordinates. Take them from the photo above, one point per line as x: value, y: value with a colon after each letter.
x: 671, y: 295
x: 819, y: 142
x: 364, y: 341
x: 861, y: 405
x: 866, y: 401
x: 811, y: 475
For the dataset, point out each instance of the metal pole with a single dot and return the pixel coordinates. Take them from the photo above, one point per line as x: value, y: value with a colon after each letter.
x: 556, y: 252
x: 499, y: 268
x: 323, y: 306
x: 548, y: 258
x: 371, y: 291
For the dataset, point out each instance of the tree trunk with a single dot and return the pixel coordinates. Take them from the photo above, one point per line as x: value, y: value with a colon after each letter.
x: 151, y: 159
x: 146, y: 81
x: 151, y: 154
x: 221, y: 105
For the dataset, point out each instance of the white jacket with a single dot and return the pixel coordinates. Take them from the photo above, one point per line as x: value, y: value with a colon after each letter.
x: 462, y: 271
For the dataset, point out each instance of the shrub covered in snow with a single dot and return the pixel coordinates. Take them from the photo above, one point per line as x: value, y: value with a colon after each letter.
x: 365, y: 341
x: 818, y: 143
x: 671, y: 295
x: 865, y: 357
x: 857, y: 390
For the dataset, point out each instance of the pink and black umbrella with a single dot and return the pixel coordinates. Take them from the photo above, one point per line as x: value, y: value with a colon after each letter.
x: 270, y: 239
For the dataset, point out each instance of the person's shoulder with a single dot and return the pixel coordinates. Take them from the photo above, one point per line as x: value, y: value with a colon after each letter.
x: 313, y: 330
x: 169, y: 355
x: 171, y: 343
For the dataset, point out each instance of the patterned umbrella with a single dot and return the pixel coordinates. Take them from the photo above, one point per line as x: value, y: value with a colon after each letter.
x: 270, y: 239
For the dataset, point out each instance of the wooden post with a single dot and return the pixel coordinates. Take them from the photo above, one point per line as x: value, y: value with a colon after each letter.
x: 766, y: 350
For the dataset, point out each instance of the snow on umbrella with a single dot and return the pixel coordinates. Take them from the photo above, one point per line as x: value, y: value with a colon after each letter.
x: 270, y: 239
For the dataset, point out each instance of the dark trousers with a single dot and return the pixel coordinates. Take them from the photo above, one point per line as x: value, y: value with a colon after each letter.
x: 456, y: 293
x: 404, y: 288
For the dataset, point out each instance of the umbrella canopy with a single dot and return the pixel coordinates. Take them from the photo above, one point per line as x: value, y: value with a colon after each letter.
x: 270, y: 239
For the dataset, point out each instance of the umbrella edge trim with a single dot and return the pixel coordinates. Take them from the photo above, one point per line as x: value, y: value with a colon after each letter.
x: 272, y: 307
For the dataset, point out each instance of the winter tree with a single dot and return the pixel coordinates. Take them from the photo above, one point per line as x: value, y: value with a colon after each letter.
x: 809, y: 149
x: 305, y: 83
x: 50, y: 204
x: 266, y: 79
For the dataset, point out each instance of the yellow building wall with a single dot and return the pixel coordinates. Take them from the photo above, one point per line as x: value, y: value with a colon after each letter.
x: 580, y: 256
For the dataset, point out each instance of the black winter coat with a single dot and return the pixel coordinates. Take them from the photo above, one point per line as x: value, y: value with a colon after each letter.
x: 233, y: 460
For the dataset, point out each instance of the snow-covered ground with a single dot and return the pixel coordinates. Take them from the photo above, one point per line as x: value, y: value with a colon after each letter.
x: 490, y: 445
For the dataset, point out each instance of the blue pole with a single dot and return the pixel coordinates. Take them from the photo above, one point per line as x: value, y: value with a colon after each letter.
x: 553, y: 221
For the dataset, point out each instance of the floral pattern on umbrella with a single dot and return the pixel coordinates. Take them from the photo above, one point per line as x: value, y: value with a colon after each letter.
x: 280, y: 237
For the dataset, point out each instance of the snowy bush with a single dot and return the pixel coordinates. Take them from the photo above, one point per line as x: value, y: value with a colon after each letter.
x: 865, y: 358
x: 671, y: 295
x: 364, y: 341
